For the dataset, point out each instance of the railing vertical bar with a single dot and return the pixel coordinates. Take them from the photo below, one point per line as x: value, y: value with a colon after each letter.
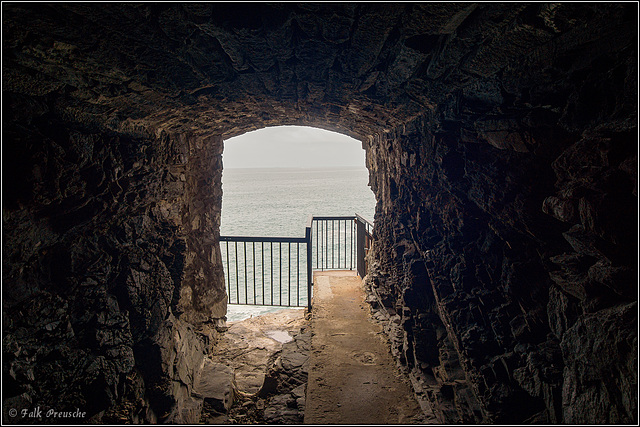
x: 246, y: 291
x: 338, y: 243
x: 353, y: 241
x: 321, y: 265
x: 350, y: 246
x: 297, y: 274
x: 271, y: 284
x: 326, y: 244
x: 237, y: 276
x: 254, y: 272
x: 348, y: 222
x: 322, y: 261
x: 289, y: 275
x: 321, y: 239
x: 345, y: 244
x: 307, y: 236
x: 262, y: 269
x: 228, y: 272
x: 280, y: 275
x: 316, y: 244
x: 333, y: 232
x: 340, y: 237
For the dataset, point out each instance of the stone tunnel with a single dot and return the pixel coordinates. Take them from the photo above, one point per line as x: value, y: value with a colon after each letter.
x: 501, y: 142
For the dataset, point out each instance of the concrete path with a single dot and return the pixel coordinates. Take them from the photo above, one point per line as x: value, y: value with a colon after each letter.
x: 353, y: 378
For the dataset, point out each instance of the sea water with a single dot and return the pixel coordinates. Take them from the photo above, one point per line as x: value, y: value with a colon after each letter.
x: 277, y: 202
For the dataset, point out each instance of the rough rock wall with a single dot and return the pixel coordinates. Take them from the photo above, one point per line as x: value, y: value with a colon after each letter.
x: 505, y: 248
x: 96, y: 240
x: 501, y: 143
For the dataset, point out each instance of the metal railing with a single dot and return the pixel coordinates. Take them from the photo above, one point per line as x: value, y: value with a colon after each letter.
x: 333, y: 243
x: 278, y: 271
x: 364, y: 236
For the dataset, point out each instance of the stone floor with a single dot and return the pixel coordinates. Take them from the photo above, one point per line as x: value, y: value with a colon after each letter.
x: 248, y: 344
x: 353, y: 379
x: 267, y: 356
x: 330, y: 367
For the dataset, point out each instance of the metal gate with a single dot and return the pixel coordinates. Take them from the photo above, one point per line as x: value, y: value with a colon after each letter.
x: 278, y: 271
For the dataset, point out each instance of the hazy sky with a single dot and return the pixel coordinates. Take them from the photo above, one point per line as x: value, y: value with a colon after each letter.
x: 292, y: 146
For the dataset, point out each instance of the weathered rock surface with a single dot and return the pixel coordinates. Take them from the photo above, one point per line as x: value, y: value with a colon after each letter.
x: 285, y: 384
x: 267, y: 357
x: 501, y: 141
x: 490, y: 261
x: 247, y: 345
x: 216, y: 385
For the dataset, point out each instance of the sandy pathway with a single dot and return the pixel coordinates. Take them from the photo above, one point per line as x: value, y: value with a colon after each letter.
x: 353, y: 378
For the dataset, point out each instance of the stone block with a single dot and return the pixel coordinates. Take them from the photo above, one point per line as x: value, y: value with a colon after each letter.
x: 216, y: 385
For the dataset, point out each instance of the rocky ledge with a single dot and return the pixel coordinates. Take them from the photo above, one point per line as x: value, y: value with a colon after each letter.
x: 259, y: 374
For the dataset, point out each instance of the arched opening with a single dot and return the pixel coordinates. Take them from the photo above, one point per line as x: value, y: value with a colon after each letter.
x: 273, y: 179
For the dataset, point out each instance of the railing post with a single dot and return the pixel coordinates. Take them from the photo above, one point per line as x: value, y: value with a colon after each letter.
x: 360, y: 242
x: 307, y: 235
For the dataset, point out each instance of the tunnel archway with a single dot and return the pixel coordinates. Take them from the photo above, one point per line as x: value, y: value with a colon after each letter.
x: 272, y: 180
x: 502, y: 145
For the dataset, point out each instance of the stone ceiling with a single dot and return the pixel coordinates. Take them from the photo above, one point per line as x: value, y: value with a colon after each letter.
x: 227, y: 68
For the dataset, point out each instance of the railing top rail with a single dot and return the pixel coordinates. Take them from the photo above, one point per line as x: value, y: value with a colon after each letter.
x: 363, y: 219
x: 263, y: 239
x: 325, y: 218
x: 310, y: 220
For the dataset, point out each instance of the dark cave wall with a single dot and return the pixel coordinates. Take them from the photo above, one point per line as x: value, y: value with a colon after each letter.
x: 510, y: 283
x: 502, y: 146
x: 97, y: 242
x: 476, y: 292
